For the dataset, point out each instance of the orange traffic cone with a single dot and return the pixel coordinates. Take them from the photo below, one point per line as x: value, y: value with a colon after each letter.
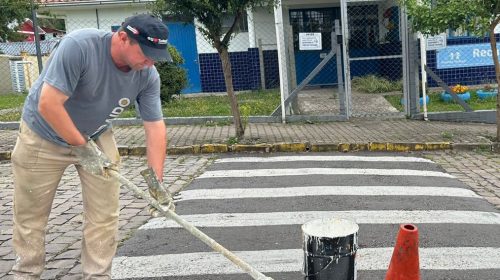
x: 405, y: 262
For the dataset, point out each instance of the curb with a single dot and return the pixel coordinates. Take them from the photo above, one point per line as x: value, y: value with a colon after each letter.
x: 320, y: 147
x: 306, y: 147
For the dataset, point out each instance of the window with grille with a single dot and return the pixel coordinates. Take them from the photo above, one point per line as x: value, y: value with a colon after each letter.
x: 314, y: 21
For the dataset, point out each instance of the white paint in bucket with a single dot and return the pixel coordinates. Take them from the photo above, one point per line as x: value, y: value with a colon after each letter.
x: 330, y: 228
x: 330, y: 246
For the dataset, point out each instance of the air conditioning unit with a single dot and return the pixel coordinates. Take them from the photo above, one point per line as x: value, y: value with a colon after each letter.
x: 17, y: 75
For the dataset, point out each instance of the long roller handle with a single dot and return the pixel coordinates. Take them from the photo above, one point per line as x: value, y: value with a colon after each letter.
x: 254, y: 273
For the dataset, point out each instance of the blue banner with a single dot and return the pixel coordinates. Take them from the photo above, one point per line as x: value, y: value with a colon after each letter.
x: 472, y: 55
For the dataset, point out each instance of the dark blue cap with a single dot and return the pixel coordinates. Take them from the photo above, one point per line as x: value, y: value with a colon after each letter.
x: 151, y: 34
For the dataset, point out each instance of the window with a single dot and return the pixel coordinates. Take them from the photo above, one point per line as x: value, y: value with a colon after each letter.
x: 363, y: 26
x: 458, y: 33
x: 314, y: 20
x: 241, y: 25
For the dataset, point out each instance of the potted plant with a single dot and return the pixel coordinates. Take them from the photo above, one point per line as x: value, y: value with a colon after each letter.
x: 421, y: 99
x: 460, y: 90
x: 488, y: 91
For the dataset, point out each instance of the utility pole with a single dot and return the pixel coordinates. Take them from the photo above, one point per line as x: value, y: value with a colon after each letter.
x: 37, y: 38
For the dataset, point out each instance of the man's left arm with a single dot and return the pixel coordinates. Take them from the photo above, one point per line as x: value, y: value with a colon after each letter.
x: 156, y: 142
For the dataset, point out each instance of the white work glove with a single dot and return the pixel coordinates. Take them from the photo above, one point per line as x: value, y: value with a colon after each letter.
x: 157, y: 191
x: 164, y: 198
x: 92, y: 159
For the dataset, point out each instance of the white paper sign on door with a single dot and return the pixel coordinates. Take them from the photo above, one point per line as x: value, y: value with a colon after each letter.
x: 309, y: 41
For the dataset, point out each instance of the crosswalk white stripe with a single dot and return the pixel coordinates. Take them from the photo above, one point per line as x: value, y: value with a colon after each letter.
x: 325, y: 190
x: 320, y: 171
x: 360, y: 217
x: 290, y: 260
x: 321, y: 158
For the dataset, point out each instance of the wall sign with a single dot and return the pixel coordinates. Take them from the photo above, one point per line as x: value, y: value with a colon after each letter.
x: 472, y: 55
x: 435, y: 42
x: 309, y: 41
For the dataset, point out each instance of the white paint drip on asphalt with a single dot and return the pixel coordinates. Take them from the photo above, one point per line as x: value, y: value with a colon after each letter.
x: 319, y: 171
x: 290, y: 260
x: 201, y: 194
x: 321, y: 158
x: 360, y: 217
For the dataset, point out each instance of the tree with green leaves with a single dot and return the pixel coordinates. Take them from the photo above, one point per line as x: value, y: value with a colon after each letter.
x: 211, y: 15
x: 12, y: 14
x: 479, y: 17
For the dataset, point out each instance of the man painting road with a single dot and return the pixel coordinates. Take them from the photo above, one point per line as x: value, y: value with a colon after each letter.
x: 90, y: 78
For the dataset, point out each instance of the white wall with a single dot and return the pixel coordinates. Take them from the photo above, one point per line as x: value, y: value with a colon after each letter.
x: 86, y: 17
x: 239, y: 42
x: 104, y: 19
x: 264, y: 29
x: 78, y: 17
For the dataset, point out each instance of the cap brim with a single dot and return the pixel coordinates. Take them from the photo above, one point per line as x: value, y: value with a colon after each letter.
x: 156, y: 54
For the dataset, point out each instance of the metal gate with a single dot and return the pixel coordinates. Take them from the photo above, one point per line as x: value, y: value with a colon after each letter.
x: 316, y: 65
x: 346, y: 61
x: 375, y: 58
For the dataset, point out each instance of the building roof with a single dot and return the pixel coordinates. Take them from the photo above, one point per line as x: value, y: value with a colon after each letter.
x: 86, y: 2
x: 27, y: 27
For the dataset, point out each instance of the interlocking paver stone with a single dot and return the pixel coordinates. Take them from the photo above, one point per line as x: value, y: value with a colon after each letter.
x: 354, y: 131
x: 64, y: 233
x: 6, y: 266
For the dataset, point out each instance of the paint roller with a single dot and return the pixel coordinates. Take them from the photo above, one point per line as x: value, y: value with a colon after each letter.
x: 162, y: 195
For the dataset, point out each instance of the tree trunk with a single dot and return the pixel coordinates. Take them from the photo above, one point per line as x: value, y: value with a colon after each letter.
x: 493, y: 43
x: 228, y: 78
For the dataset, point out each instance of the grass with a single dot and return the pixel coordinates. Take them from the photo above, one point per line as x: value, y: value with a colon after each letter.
x: 437, y: 105
x: 10, y: 117
x: 375, y: 84
x: 11, y: 100
x: 251, y: 104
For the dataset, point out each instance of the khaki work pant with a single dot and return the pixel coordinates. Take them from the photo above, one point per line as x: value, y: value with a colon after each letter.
x: 37, y: 166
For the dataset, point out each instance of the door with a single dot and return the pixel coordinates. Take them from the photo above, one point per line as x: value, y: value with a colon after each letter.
x: 183, y: 37
x: 314, y: 21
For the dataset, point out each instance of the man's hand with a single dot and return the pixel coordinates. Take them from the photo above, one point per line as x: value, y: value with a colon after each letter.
x: 165, y: 204
x: 159, y: 192
x: 92, y: 159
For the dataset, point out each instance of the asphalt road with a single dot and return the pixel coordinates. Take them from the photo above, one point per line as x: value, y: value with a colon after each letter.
x: 255, y: 205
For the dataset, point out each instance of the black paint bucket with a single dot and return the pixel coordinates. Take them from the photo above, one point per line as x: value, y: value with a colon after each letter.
x: 330, y: 247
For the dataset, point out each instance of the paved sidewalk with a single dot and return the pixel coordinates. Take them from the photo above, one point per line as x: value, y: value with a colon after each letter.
x: 356, y: 134
x: 64, y: 229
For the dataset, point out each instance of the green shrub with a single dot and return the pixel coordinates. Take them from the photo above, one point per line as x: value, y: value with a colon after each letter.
x: 375, y: 84
x: 172, y: 75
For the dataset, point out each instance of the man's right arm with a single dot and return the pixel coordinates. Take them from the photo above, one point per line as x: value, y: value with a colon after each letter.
x: 51, y: 107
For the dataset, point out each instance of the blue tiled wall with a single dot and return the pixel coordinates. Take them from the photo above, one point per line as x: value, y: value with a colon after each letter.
x: 465, y: 75
x: 271, y: 68
x: 245, y: 70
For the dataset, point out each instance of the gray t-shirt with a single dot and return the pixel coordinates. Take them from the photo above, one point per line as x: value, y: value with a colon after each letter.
x: 82, y: 68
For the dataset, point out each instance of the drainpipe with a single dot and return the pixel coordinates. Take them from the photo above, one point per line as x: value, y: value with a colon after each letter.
x: 251, y: 28
x: 423, y: 60
x: 280, y: 41
x: 97, y: 18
